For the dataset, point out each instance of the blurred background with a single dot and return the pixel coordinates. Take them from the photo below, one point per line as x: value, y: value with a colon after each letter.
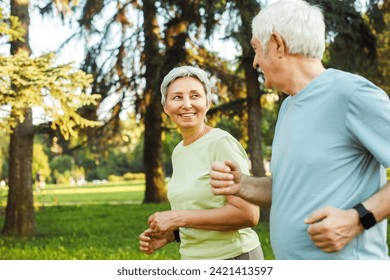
x: 81, y: 119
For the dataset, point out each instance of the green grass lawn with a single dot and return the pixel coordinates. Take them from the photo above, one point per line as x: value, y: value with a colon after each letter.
x: 86, y: 232
x: 94, y: 222
x: 118, y: 192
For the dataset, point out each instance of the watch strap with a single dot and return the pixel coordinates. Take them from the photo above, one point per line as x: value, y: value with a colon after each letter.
x: 177, y: 235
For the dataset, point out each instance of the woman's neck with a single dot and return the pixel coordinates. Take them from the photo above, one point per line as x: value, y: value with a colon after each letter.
x: 191, y: 137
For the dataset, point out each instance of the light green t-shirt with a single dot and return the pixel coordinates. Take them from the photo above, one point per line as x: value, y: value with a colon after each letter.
x: 189, y: 189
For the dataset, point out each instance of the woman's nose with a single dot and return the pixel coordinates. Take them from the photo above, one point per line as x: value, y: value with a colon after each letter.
x: 187, y: 103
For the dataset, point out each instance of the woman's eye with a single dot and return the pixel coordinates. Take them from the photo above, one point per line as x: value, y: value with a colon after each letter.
x: 177, y: 97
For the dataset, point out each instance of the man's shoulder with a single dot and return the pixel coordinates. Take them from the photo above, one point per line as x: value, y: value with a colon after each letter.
x: 346, y: 77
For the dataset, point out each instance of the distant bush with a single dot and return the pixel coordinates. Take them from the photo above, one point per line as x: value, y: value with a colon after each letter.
x: 126, y: 177
x: 133, y: 176
x: 115, y: 178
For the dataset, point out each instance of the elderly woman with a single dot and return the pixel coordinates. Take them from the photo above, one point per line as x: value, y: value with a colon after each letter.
x: 207, y: 226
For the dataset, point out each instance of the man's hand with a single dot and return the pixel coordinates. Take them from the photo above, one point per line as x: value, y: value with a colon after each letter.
x: 331, y: 229
x: 164, y: 221
x: 225, y: 178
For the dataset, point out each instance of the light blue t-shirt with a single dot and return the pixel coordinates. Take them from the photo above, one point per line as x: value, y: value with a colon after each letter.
x: 331, y: 144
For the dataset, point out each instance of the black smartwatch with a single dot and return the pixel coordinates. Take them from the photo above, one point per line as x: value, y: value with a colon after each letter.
x: 177, y: 235
x: 367, y: 219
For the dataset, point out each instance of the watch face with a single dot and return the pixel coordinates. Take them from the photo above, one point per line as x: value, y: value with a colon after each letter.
x: 368, y: 220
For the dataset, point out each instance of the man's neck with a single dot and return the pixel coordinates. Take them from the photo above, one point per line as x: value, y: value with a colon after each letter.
x: 302, y: 71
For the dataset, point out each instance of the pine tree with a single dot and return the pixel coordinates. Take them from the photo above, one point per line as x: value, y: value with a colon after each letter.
x: 25, y: 83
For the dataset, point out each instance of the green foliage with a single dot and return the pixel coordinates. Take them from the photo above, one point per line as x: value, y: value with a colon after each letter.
x: 126, y: 177
x: 351, y: 42
x: 58, y: 90
x: 270, y: 107
x: 40, y: 162
x: 379, y: 73
x: 4, y: 140
x: 86, y: 157
x: 61, y: 164
x: 113, y: 163
x: 11, y: 27
x: 112, y: 153
x: 133, y: 176
x: 1, y: 163
x: 115, y: 178
x: 231, y: 125
x: 170, y: 138
x: 64, y: 170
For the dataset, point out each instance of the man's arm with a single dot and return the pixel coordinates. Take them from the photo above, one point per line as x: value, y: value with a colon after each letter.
x: 227, y: 179
x: 257, y: 190
x: 379, y: 203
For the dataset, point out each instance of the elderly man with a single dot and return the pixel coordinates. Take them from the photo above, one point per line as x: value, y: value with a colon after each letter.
x: 328, y: 193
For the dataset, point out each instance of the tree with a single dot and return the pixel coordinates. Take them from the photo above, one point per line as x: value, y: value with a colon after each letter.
x: 154, y: 174
x: 181, y: 17
x: 131, y: 52
x: 20, y: 218
x: 351, y: 42
x: 247, y: 11
x: 384, y: 50
x: 28, y: 82
x: 136, y: 60
x: 378, y: 17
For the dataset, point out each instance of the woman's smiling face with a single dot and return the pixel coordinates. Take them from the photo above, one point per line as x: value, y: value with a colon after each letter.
x: 186, y: 102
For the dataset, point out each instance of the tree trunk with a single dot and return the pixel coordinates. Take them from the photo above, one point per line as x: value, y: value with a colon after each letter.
x: 157, y: 66
x: 254, y: 128
x: 155, y: 185
x: 19, y: 216
x: 254, y: 122
x: 247, y: 12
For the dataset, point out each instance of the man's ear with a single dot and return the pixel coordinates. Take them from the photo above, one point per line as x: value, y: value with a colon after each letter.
x: 280, y: 45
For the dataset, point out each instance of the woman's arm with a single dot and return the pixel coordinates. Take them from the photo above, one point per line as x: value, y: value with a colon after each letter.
x: 236, y: 214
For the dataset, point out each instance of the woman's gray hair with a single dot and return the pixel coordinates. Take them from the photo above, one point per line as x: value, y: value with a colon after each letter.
x: 185, y: 71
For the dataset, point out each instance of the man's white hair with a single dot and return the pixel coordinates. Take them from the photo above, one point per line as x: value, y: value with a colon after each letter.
x: 300, y: 24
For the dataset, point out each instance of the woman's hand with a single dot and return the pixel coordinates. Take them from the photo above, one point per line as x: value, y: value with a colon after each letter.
x: 150, y: 240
